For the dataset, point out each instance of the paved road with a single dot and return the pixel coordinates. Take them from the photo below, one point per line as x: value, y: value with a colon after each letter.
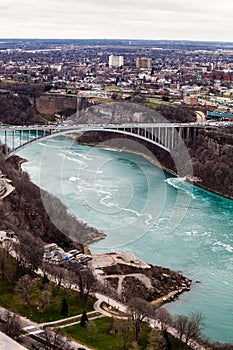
x: 201, y: 117
x: 152, y: 322
x: 33, y: 328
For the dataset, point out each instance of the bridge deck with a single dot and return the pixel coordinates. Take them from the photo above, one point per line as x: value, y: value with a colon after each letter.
x: 164, y: 135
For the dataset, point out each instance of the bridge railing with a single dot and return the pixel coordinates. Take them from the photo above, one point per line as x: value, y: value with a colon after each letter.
x: 164, y: 135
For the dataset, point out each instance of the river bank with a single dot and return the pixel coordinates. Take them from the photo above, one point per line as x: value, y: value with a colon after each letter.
x: 199, y: 245
x: 146, y: 280
x: 125, y: 275
x: 33, y: 209
x: 194, y: 180
x: 125, y: 150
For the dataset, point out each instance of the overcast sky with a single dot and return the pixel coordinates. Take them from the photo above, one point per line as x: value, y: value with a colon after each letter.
x: 129, y: 19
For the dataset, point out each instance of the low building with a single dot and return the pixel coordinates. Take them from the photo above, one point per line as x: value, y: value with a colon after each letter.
x: 191, y: 100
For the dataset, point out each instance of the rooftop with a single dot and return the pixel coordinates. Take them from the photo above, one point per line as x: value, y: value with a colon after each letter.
x: 103, y: 260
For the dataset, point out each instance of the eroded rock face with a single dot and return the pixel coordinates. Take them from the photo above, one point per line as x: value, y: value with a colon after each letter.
x: 50, y: 104
x: 119, y: 112
x: 212, y: 158
x: 130, y: 112
x: 211, y: 154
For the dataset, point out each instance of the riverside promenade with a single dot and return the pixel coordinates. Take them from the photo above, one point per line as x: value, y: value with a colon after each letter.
x: 123, y: 309
x: 34, y: 329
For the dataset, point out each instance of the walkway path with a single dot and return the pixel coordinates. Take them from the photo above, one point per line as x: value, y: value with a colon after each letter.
x: 140, y: 276
x: 201, y: 117
x: 123, y: 308
x: 32, y: 328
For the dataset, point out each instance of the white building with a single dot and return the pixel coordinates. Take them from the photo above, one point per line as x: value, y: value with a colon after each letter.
x: 116, y: 61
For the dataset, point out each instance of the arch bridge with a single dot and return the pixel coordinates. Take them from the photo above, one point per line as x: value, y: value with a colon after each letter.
x: 164, y: 135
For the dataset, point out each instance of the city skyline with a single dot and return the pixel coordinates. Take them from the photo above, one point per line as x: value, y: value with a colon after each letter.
x: 124, y: 19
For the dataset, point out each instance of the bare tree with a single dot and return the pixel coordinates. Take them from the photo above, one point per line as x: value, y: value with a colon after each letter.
x: 12, y: 325
x: 7, y: 270
x: 29, y: 252
x: 123, y: 328
x: 194, y: 327
x: 91, y: 329
x: 70, y: 279
x: 44, y: 297
x: 25, y: 289
x: 139, y: 309
x: 189, y: 327
x: 164, y: 317
x: 180, y: 324
x: 106, y: 288
x: 86, y: 282
x: 54, y: 339
x: 56, y: 273
x: 157, y: 341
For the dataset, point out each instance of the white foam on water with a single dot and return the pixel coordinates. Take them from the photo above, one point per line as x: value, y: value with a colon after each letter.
x: 74, y: 179
x: 180, y: 184
x: 78, y: 161
x: 80, y: 155
x: 226, y: 246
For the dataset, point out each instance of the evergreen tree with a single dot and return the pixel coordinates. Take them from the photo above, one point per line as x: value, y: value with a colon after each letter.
x: 64, y: 308
x: 84, y: 320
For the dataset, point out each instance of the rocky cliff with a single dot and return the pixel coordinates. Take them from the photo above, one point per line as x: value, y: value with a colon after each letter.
x: 50, y: 104
x: 117, y: 113
x: 210, y: 148
x: 212, y: 158
x: 23, y: 103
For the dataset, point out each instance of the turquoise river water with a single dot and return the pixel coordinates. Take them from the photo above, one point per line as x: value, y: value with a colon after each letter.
x: 162, y: 219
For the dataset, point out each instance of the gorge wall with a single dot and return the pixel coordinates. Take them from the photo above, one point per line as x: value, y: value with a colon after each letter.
x: 212, y: 158
x: 211, y: 155
x: 50, y: 104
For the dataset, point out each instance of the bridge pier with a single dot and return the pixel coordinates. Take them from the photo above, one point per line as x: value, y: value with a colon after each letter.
x: 166, y: 138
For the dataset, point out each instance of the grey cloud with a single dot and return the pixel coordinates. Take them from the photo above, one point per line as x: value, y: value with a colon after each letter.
x: 100, y: 18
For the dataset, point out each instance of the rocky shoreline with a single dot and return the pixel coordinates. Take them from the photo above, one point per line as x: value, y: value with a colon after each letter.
x: 124, y: 275
x: 24, y: 210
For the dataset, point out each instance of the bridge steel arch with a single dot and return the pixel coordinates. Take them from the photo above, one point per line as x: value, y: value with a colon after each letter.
x: 165, y: 136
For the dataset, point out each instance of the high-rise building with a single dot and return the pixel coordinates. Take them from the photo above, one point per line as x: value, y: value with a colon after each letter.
x: 116, y: 61
x: 143, y: 62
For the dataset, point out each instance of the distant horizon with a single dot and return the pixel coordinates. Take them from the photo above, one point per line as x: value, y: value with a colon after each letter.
x: 199, y: 20
x: 116, y: 39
